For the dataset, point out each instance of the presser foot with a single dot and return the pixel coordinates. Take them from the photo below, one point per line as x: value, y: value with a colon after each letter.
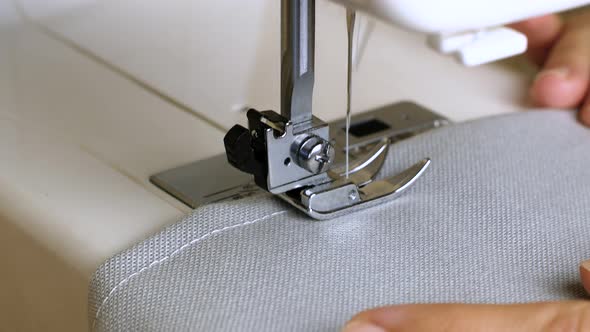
x: 319, y: 195
x: 295, y: 162
x: 357, y: 190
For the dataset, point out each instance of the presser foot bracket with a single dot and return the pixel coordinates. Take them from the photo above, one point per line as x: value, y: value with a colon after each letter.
x: 324, y: 195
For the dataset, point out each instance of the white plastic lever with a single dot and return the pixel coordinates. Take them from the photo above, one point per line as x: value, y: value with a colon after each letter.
x: 479, y: 47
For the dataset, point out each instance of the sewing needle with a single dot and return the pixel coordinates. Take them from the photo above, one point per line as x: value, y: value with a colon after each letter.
x: 350, y: 22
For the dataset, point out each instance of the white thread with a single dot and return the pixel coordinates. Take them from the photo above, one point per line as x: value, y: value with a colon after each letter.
x: 161, y: 260
x: 350, y: 22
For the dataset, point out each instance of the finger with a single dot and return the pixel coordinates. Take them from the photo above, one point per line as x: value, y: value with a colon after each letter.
x: 564, y: 80
x: 584, y: 116
x: 538, y: 55
x: 558, y: 316
x: 541, y: 32
x: 585, y: 273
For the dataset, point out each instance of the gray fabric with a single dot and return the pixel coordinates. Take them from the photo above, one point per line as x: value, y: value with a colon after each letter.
x: 501, y: 216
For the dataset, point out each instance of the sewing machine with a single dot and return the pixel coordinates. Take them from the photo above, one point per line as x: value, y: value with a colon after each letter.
x: 305, y: 160
x: 78, y: 136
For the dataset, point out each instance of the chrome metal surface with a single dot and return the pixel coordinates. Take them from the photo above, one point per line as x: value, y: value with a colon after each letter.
x: 315, y: 154
x: 206, y: 181
x: 348, y: 196
x: 284, y: 175
x: 297, y: 64
x: 213, y: 180
x: 368, y: 163
x: 396, y: 122
x: 374, y: 193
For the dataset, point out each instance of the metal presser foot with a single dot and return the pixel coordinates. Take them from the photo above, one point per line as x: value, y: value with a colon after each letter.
x: 297, y: 156
x: 215, y: 180
x: 303, y: 168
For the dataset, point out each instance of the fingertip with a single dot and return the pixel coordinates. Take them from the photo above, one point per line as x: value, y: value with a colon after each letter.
x: 374, y: 320
x: 387, y: 318
x: 558, y: 88
x: 539, y: 22
x: 540, y: 31
x: 585, y: 275
x: 356, y: 325
x: 584, y: 115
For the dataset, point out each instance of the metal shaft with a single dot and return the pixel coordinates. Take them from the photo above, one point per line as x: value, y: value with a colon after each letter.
x: 297, y: 66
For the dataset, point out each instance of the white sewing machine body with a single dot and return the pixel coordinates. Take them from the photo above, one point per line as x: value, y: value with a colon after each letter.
x: 471, y: 30
x: 456, y: 16
x: 80, y: 140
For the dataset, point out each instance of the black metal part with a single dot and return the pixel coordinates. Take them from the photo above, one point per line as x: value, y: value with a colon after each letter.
x: 238, y: 149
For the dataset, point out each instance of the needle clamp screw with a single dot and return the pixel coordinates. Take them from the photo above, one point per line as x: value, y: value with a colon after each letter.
x: 315, y: 154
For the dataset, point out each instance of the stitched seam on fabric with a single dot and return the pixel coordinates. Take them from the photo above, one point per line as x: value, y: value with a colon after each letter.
x: 174, y: 253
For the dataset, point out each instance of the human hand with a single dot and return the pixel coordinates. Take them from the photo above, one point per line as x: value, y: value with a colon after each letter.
x: 569, y: 316
x: 562, y: 48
